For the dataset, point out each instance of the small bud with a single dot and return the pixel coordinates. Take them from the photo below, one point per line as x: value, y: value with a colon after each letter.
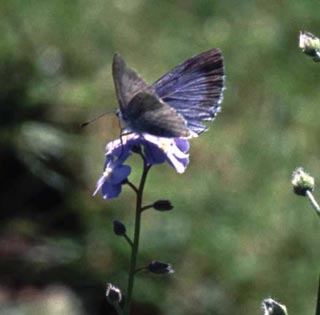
x: 113, y: 294
x: 310, y: 45
x: 119, y: 228
x: 163, y: 205
x: 271, y: 307
x: 302, y: 182
x: 160, y: 268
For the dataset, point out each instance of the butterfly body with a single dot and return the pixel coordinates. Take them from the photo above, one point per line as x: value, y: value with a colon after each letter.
x: 176, y: 104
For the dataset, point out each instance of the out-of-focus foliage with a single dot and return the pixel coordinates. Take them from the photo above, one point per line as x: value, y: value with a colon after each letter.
x: 237, y: 233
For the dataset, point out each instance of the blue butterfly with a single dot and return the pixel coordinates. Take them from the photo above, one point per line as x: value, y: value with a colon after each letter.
x: 177, y: 103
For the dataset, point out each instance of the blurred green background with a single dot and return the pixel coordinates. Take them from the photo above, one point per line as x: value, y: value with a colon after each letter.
x: 237, y: 234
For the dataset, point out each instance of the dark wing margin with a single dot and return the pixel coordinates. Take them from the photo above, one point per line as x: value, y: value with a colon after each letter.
x: 127, y: 81
x: 148, y: 113
x: 194, y: 88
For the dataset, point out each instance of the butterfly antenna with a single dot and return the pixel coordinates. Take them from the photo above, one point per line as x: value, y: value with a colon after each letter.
x: 86, y: 123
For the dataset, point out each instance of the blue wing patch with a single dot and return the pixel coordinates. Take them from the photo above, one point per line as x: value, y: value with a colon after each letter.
x: 194, y: 88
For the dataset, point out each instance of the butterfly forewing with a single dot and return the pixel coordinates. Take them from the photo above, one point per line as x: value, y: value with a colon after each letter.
x: 127, y: 82
x: 194, y: 88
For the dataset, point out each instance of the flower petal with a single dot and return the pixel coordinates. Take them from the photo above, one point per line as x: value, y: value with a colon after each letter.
x: 174, y: 150
x: 178, y: 164
x: 182, y: 144
x: 153, y: 154
x: 119, y: 174
x: 100, y: 182
x: 110, y: 191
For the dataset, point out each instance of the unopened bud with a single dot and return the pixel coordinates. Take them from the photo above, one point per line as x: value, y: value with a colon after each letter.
x: 310, y: 45
x: 272, y: 307
x: 163, y: 205
x: 160, y: 268
x: 119, y: 228
x: 113, y: 294
x: 302, y: 182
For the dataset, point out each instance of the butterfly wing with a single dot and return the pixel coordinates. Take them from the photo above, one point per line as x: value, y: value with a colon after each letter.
x: 127, y: 82
x: 194, y: 88
x: 148, y: 113
x: 141, y: 109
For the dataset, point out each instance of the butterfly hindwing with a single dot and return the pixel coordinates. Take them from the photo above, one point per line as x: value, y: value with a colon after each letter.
x: 148, y: 113
x: 194, y: 88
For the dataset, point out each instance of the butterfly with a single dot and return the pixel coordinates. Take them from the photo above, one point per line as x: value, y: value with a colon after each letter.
x: 177, y: 103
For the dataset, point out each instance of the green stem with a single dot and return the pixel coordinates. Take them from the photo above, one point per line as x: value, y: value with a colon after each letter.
x: 318, y: 300
x: 313, y: 202
x: 128, y: 240
x: 132, y: 186
x: 135, y: 246
x: 147, y: 207
x: 140, y: 269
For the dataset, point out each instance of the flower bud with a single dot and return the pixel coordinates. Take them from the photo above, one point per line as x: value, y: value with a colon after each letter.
x: 310, y: 45
x: 160, y: 268
x: 163, y: 205
x: 119, y: 228
x: 302, y: 182
x: 271, y: 307
x: 113, y: 294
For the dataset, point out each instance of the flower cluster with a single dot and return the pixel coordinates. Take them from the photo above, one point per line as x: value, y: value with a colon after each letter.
x: 155, y: 150
x: 302, y: 182
x: 272, y: 307
x: 310, y: 45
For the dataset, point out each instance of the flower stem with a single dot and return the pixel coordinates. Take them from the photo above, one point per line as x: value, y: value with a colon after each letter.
x: 313, y: 202
x: 318, y: 300
x: 135, y: 245
x: 140, y: 269
x: 147, y: 207
x: 128, y: 240
x: 132, y: 186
